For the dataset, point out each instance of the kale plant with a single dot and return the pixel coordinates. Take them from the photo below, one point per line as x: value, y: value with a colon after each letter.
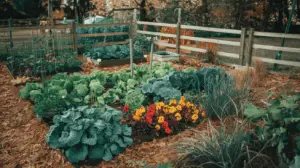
x: 89, y: 133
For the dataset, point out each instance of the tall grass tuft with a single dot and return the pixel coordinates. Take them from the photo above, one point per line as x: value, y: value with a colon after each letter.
x: 222, y: 148
x: 220, y: 96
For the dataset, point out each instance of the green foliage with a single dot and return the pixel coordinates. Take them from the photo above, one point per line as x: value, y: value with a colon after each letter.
x: 25, y: 92
x: 119, y: 51
x: 222, y: 148
x: 134, y: 99
x: 110, y: 29
x: 282, y: 126
x: 89, y: 133
x: 219, y: 96
x: 160, y: 89
x: 32, y: 61
x: 99, y: 88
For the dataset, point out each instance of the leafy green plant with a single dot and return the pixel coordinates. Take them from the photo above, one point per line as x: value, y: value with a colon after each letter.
x: 119, y: 51
x: 134, y: 99
x: 99, y: 88
x: 282, y: 126
x: 89, y: 133
x: 160, y: 89
x: 110, y: 29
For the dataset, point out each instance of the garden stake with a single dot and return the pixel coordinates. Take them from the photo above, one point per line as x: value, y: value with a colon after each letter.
x: 287, y: 29
x: 131, y: 56
x: 151, y: 53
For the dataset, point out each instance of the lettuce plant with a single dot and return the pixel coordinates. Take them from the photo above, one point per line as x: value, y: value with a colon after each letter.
x: 89, y: 133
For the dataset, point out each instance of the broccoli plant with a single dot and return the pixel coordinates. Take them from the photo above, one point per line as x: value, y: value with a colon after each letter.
x: 89, y: 133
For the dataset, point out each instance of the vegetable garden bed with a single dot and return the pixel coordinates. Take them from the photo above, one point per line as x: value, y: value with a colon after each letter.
x: 76, y: 107
x: 20, y: 123
x: 118, y: 62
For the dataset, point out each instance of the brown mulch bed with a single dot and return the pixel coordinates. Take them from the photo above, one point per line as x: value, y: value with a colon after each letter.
x: 22, y: 137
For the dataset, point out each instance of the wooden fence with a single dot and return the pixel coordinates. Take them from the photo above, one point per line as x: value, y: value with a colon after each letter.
x: 245, y: 55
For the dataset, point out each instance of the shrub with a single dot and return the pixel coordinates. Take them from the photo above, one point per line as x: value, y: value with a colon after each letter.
x: 282, y: 126
x: 89, y: 133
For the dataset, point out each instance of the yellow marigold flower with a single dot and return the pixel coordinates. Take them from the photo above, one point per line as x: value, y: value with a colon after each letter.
x: 161, y: 119
x: 193, y: 106
x: 172, y: 109
x: 194, y: 117
x: 138, y: 112
x: 182, y: 103
x: 143, y: 110
x: 136, y: 118
x: 203, y: 114
x: 173, y: 102
x: 178, y: 116
x: 188, y: 104
x: 157, y: 127
x: 182, y: 98
x: 179, y: 108
x: 196, y: 111
x: 166, y: 108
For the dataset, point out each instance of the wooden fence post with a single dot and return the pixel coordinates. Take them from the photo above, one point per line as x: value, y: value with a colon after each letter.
x: 250, y: 47
x: 50, y: 12
x: 10, y: 34
x: 178, y: 32
x: 74, y: 36
x: 242, y: 45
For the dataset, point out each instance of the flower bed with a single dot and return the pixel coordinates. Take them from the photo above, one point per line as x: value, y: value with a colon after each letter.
x: 162, y: 119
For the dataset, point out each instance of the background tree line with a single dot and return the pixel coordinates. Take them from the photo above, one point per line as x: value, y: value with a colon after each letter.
x: 265, y: 15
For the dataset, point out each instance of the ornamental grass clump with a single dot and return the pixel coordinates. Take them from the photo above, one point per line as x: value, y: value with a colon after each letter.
x: 168, y: 118
x: 222, y: 148
x: 89, y: 133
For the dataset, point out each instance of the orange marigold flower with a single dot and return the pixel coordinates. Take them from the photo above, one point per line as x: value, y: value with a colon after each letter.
x: 173, y: 102
x: 203, y: 114
x: 136, y: 118
x: 178, y: 107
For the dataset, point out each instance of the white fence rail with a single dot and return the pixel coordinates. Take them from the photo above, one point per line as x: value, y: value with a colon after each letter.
x: 244, y: 58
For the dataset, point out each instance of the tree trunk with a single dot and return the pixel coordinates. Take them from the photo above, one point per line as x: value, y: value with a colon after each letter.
x: 286, y: 9
x: 267, y: 13
x: 143, y: 10
x: 298, y: 9
x: 205, y: 12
